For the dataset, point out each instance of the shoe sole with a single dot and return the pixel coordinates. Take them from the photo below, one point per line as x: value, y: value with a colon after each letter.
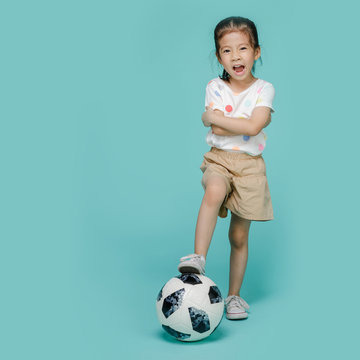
x: 236, y: 316
x: 189, y: 269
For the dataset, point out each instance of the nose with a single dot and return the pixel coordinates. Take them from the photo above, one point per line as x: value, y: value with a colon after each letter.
x: 236, y: 55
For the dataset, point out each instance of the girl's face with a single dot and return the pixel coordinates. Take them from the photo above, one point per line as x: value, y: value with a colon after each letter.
x: 235, y: 49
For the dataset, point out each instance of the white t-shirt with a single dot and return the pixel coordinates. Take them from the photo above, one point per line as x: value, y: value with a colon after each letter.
x: 220, y: 96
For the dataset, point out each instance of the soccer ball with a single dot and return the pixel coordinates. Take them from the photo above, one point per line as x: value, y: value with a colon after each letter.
x: 190, y: 307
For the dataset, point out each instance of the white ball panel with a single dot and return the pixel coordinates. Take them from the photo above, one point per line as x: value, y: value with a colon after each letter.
x: 196, y: 296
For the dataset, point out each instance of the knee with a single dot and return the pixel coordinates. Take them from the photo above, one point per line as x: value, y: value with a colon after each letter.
x: 215, y: 193
x: 238, y: 238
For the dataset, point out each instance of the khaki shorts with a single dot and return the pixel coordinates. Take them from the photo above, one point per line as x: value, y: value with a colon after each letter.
x: 247, y: 189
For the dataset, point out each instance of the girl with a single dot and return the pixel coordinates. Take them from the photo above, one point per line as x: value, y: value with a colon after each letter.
x: 238, y: 106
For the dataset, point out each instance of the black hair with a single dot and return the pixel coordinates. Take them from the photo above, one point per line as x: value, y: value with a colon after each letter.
x: 231, y: 24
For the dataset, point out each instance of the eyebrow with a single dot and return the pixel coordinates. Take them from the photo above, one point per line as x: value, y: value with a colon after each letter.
x: 230, y: 46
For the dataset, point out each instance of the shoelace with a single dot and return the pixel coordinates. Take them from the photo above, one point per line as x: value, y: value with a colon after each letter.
x: 188, y: 257
x: 237, y: 302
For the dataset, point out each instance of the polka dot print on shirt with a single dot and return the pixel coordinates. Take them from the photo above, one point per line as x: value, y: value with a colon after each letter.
x: 235, y: 105
x: 228, y: 108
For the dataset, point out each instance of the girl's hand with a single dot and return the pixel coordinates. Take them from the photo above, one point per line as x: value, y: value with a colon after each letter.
x: 208, y: 116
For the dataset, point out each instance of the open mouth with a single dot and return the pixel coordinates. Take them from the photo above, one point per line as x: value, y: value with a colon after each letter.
x: 239, y: 69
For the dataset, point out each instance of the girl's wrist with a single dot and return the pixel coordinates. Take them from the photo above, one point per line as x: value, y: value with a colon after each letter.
x: 215, y: 118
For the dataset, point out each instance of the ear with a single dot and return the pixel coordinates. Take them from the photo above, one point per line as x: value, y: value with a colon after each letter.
x: 257, y: 52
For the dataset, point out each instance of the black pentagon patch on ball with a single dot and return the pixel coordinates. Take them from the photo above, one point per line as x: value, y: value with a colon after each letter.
x: 199, y: 320
x: 189, y: 278
x: 172, y: 302
x: 177, y: 334
x: 214, y: 294
x: 160, y: 294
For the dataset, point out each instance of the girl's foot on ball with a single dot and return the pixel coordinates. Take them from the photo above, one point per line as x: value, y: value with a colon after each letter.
x: 192, y: 263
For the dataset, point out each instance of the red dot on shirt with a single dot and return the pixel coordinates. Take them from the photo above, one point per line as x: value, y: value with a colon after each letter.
x: 228, y: 108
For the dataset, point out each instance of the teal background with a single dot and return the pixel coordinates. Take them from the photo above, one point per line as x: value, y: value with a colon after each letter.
x: 101, y: 142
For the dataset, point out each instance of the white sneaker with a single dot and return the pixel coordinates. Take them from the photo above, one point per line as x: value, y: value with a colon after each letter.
x: 192, y: 263
x: 236, y: 307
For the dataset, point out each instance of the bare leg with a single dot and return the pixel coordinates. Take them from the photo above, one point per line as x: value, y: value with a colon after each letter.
x: 215, y: 192
x: 238, y: 236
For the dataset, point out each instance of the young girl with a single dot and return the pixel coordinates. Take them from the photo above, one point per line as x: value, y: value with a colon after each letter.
x: 238, y: 106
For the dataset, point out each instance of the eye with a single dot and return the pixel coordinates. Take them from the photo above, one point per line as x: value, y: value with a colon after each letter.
x: 226, y: 50
x: 243, y: 48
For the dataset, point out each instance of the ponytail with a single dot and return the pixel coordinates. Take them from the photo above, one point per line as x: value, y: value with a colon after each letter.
x: 225, y: 76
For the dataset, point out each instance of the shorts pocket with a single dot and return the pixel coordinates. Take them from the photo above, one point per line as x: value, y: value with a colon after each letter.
x: 262, y: 166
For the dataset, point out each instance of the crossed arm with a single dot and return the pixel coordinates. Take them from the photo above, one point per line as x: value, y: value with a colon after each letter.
x: 226, y: 126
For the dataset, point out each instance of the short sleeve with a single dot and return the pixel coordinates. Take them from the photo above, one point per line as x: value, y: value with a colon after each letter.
x: 266, y: 96
x: 213, y: 97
